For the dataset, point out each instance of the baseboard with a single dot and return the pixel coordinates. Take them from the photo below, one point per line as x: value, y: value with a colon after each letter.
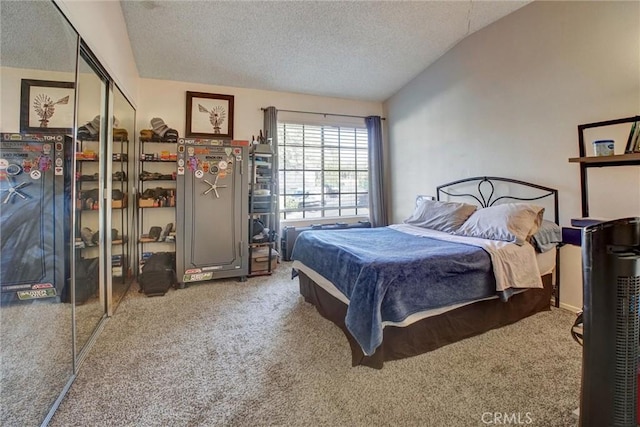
x: 570, y: 308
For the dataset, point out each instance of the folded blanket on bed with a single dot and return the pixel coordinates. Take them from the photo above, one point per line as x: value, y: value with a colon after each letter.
x: 514, y: 266
x: 388, y: 275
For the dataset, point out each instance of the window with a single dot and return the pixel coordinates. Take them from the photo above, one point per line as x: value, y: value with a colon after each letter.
x: 323, y: 171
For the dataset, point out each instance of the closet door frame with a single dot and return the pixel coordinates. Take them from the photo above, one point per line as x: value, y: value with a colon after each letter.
x: 105, y: 205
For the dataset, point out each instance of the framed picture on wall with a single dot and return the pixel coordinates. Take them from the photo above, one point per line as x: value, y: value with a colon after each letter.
x: 46, y: 106
x: 209, y: 115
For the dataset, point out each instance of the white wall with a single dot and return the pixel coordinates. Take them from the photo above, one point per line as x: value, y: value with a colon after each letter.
x: 167, y: 100
x: 102, y: 26
x: 507, y: 101
x: 11, y: 81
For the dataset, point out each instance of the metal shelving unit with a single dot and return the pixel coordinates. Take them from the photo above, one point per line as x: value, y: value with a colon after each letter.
x: 263, y: 256
x: 87, y: 180
x: 156, y: 198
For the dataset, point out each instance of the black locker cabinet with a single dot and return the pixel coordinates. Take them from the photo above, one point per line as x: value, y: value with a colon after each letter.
x: 34, y: 212
x: 212, y: 209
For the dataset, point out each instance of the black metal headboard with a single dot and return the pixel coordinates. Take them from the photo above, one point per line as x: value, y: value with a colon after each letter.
x: 486, y: 196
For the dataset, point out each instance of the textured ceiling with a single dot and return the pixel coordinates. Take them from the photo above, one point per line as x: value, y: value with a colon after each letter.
x: 34, y: 35
x: 364, y: 50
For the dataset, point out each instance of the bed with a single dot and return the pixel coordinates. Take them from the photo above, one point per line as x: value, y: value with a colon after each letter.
x: 446, y: 273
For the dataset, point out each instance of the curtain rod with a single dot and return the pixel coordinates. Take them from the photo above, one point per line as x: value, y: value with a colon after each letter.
x: 324, y: 114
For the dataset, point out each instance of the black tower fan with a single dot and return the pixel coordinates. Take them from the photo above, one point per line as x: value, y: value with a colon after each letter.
x: 611, y: 286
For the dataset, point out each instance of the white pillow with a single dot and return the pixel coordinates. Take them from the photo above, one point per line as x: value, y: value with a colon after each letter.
x: 442, y: 216
x: 511, y: 222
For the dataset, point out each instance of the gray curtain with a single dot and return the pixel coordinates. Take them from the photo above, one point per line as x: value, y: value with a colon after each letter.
x: 377, y: 200
x: 271, y: 133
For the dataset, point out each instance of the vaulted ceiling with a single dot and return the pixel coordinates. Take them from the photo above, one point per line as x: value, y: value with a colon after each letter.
x: 364, y: 50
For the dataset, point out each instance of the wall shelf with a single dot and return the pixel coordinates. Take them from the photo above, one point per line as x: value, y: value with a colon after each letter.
x: 615, y: 160
x: 586, y: 162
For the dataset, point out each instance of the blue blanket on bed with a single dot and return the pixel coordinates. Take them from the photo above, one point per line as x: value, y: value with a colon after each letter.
x: 388, y: 275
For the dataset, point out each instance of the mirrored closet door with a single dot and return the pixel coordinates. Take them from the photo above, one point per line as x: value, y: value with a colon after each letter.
x: 65, y: 222
x: 122, y: 223
x: 38, y: 73
x: 92, y: 210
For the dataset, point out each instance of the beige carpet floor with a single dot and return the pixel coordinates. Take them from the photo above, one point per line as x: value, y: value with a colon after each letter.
x: 36, y: 360
x: 228, y: 353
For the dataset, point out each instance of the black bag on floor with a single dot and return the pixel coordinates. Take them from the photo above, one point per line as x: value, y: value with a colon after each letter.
x: 87, y: 279
x: 158, y: 274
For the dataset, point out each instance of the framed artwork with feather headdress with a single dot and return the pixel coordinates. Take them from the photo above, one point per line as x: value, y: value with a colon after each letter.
x: 209, y: 115
x: 46, y: 106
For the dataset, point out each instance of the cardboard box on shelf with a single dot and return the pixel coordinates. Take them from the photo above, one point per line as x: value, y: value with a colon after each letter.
x: 145, y: 203
x: 259, y: 259
x: 119, y: 204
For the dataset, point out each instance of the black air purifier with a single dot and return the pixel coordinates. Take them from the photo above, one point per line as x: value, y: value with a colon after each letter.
x: 611, y: 289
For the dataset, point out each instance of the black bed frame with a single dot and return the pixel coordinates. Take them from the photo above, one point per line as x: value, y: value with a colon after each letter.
x: 486, y: 196
x: 433, y: 332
